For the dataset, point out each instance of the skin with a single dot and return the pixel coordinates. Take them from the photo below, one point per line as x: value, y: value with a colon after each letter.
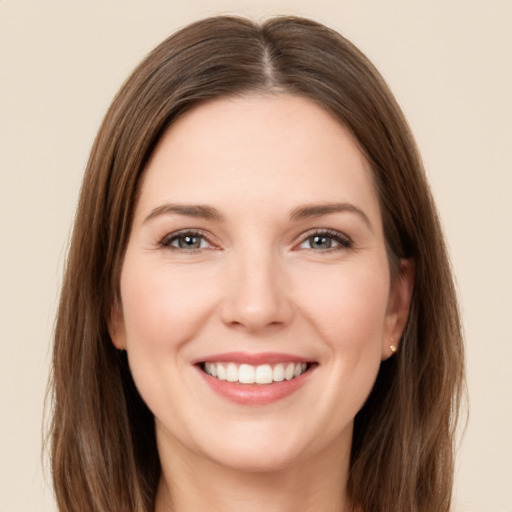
x: 257, y: 283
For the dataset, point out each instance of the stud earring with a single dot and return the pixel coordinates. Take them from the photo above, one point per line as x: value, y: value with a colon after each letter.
x: 392, y: 347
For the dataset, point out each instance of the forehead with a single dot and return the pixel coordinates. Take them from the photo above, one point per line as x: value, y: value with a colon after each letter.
x: 258, y: 149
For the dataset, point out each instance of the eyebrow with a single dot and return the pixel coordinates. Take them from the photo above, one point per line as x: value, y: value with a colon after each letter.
x: 318, y: 210
x: 304, y: 212
x: 199, y: 211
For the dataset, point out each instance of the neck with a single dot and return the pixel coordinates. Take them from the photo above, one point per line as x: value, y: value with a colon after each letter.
x: 196, y: 484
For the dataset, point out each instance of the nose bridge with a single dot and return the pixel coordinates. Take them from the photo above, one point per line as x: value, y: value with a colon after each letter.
x: 258, y: 296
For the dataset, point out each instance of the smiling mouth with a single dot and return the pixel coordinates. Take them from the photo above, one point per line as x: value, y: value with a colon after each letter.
x: 263, y: 374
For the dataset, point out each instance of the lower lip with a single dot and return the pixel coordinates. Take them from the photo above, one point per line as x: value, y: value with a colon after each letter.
x: 255, y: 394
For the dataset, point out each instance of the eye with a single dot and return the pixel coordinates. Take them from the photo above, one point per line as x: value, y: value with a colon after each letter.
x: 186, y: 241
x: 326, y: 240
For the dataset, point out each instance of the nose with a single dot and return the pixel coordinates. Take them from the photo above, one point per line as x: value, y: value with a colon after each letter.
x: 258, y: 294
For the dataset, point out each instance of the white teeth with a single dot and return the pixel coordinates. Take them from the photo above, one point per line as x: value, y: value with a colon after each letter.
x: 221, y: 372
x: 231, y: 372
x: 278, y: 372
x: 210, y: 369
x: 248, y: 374
x: 264, y: 374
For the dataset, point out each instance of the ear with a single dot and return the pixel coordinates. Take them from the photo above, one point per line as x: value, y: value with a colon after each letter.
x: 399, y: 303
x: 116, y: 326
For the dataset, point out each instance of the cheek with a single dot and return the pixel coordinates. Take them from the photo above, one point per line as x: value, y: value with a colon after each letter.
x: 163, y: 305
x: 346, y: 309
x: 347, y: 304
x: 164, y: 309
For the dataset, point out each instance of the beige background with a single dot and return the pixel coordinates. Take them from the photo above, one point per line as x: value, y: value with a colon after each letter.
x: 450, y: 65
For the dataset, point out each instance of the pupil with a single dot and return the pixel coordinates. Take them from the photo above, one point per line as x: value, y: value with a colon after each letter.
x: 322, y: 242
x: 187, y: 242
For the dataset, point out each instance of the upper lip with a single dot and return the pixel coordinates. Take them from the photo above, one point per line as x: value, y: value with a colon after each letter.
x: 253, y: 359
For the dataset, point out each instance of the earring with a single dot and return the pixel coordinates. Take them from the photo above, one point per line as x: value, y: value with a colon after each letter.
x: 392, y: 347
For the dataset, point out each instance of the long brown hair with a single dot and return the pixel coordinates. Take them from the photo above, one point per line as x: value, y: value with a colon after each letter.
x: 103, y: 448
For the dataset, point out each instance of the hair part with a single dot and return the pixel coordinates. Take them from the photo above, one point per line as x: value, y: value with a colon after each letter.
x: 103, y: 447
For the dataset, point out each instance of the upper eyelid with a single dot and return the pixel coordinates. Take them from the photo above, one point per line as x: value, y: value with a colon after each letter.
x: 196, y: 232
x: 328, y: 232
x: 324, y: 231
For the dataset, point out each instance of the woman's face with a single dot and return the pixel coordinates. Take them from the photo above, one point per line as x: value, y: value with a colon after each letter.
x: 256, y: 299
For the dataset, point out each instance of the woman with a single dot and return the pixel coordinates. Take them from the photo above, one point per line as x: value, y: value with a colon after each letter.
x: 258, y: 310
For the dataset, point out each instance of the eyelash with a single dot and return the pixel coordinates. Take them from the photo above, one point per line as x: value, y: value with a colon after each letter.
x: 343, y: 241
x: 168, y: 239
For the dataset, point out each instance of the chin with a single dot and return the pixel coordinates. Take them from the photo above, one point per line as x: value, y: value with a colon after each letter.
x: 269, y: 448
x: 256, y: 459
